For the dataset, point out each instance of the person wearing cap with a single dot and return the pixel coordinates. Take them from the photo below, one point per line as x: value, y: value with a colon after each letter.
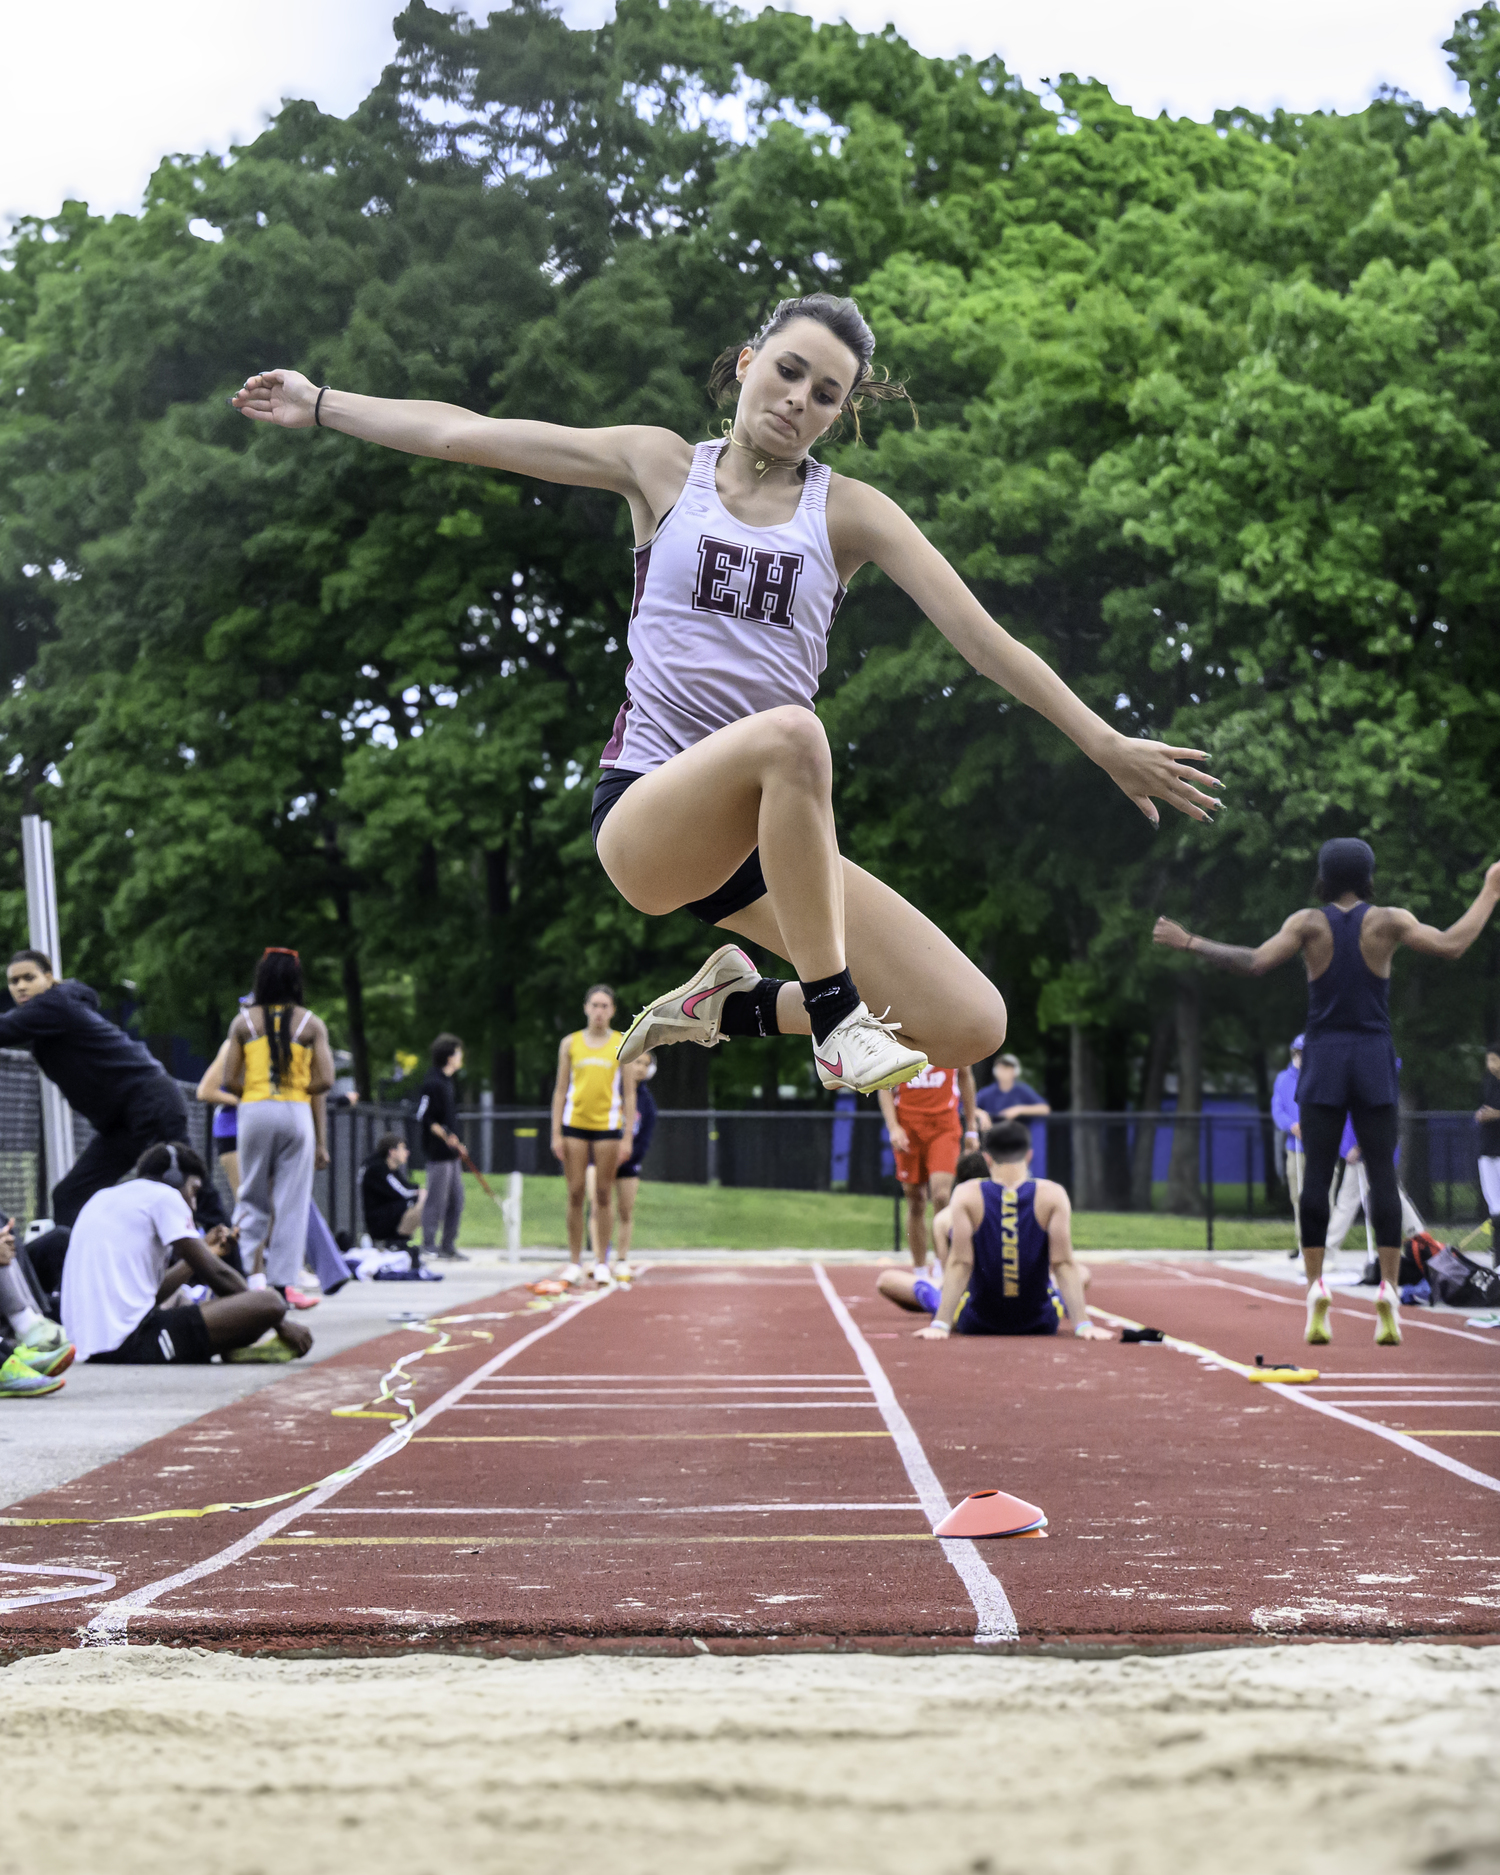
x: 1347, y: 944
x: 1009, y: 1098
x: 1284, y: 1113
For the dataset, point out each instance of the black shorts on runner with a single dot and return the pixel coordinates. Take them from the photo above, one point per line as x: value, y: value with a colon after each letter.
x: 592, y: 1132
x: 630, y: 1169
x: 743, y: 887
x: 226, y: 1143
x: 178, y: 1337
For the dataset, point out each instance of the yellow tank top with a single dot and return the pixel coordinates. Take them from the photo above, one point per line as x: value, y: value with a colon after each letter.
x: 298, y: 1075
x: 594, y: 1101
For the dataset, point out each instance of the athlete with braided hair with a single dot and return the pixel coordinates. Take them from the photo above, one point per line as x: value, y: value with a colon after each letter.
x: 717, y: 790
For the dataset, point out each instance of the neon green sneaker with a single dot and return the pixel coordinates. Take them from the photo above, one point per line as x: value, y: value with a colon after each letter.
x: 19, y: 1380
x: 1387, y: 1317
x: 45, y: 1348
x: 271, y: 1348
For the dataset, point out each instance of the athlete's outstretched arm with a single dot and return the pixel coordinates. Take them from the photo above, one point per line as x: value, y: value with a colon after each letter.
x: 1239, y: 959
x: 613, y: 458
x: 1059, y: 1227
x: 1452, y: 943
x: 873, y: 528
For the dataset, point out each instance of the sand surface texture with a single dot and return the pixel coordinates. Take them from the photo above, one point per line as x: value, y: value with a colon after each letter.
x: 1301, y: 1759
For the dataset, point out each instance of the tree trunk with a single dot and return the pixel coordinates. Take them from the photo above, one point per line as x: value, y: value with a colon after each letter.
x: 354, y: 1004
x: 1086, y: 1097
x: 502, y: 978
x: 1153, y: 1085
x: 1184, y: 1180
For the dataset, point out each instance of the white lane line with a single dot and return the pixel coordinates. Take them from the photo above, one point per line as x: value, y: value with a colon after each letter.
x: 531, y: 1391
x: 905, y: 1505
x: 662, y: 1406
x: 527, y: 1380
x: 1410, y: 1318
x: 1404, y: 1440
x: 997, y: 1619
x: 108, y: 1627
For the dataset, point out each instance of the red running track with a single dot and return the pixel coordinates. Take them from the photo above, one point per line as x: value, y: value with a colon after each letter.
x: 719, y: 1457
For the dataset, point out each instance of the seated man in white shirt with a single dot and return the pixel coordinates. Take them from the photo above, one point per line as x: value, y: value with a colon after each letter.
x: 134, y: 1245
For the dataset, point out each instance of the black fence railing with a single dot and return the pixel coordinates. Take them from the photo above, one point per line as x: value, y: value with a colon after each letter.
x: 1222, y: 1168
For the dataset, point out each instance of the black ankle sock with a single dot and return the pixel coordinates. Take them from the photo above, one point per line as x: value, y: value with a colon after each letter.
x: 752, y: 1012
x: 827, y: 1001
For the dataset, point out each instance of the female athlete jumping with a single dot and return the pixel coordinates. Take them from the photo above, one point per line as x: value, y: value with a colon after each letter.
x: 718, y: 783
x: 1348, y: 1063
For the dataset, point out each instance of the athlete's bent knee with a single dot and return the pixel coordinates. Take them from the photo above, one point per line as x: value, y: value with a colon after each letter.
x: 797, y: 746
x: 976, y: 1030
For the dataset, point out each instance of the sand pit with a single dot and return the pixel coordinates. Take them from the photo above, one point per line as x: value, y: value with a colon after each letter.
x: 1309, y: 1759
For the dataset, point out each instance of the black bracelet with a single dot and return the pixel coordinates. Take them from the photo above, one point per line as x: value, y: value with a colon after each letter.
x: 317, y: 407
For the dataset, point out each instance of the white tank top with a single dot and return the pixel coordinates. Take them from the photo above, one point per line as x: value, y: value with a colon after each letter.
x: 728, y: 620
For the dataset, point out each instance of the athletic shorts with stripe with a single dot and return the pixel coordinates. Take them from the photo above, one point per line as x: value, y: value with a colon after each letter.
x: 929, y: 1150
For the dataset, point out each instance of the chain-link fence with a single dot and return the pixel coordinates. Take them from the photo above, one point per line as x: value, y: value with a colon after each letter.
x: 1212, y: 1173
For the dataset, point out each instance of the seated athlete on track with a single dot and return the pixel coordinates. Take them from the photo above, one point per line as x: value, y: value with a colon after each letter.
x: 1010, y: 1267
x: 35, y: 1352
x: 392, y: 1204
x: 133, y: 1247
x: 1347, y: 945
x: 717, y: 793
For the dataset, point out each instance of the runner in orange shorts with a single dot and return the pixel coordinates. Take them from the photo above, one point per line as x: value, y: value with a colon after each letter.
x: 922, y: 1118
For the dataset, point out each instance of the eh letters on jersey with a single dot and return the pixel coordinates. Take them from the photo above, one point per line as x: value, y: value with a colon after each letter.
x: 766, y: 595
x: 1010, y: 1243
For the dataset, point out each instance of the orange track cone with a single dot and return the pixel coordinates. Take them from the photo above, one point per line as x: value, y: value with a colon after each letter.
x: 992, y: 1513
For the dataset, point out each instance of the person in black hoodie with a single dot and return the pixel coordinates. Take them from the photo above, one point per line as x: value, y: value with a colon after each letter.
x: 392, y: 1204
x: 114, y: 1081
x: 437, y: 1115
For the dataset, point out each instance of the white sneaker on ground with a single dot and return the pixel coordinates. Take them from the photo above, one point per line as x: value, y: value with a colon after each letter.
x: 600, y: 1273
x: 1319, y: 1301
x: 691, y: 1012
x: 862, y: 1053
x: 1387, y: 1317
x: 569, y: 1273
x: 43, y: 1335
x: 624, y: 1272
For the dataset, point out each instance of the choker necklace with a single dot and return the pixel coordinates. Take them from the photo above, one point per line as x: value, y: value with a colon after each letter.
x: 763, y: 462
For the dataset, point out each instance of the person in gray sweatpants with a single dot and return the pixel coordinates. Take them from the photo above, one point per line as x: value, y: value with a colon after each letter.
x: 437, y: 1116
x: 279, y: 1063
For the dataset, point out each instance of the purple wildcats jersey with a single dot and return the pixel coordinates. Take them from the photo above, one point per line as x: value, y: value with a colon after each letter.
x: 728, y: 620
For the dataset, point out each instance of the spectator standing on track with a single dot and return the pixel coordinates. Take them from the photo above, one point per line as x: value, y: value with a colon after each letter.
x: 593, y: 1107
x: 114, y: 1081
x: 1289, y: 1122
x: 225, y: 1131
x: 922, y: 1118
x: 1010, y: 1267
x: 1008, y: 1097
x: 437, y: 1116
x: 134, y: 1246
x: 281, y: 1066
x: 1488, y: 1120
x: 628, y: 1175
x: 392, y: 1204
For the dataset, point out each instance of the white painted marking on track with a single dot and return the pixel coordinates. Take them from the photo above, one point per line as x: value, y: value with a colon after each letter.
x: 905, y: 1505
x: 1404, y: 1440
x: 997, y: 1619
x: 108, y: 1627
x: 1410, y: 1318
x: 661, y: 1406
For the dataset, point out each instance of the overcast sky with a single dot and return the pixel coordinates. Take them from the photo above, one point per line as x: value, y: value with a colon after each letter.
x: 94, y: 92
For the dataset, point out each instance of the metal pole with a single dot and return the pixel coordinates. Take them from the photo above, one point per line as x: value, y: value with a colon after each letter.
x: 487, y: 1130
x: 41, y: 917
x: 1208, y: 1133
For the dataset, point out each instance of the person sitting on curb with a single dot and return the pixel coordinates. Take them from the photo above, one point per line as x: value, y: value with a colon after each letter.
x: 36, y: 1350
x: 1010, y: 1267
x: 133, y: 1247
x: 392, y: 1204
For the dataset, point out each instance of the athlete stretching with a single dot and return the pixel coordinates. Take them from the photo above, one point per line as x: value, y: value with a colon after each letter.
x: 1348, y: 1063
x: 718, y: 783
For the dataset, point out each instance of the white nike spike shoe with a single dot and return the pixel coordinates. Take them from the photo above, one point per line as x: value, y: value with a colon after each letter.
x: 1319, y: 1302
x: 1387, y: 1317
x: 692, y: 1012
x: 862, y: 1054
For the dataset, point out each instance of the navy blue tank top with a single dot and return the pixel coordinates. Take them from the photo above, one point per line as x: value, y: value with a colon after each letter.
x: 1348, y: 996
x: 1008, y: 1290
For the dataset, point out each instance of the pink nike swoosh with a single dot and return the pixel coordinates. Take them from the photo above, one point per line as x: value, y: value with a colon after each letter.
x: 833, y: 1067
x: 690, y: 1003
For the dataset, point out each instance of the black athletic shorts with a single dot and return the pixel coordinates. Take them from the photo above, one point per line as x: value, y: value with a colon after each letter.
x: 226, y: 1143
x: 744, y: 885
x: 593, y: 1132
x: 630, y: 1169
x: 178, y: 1337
